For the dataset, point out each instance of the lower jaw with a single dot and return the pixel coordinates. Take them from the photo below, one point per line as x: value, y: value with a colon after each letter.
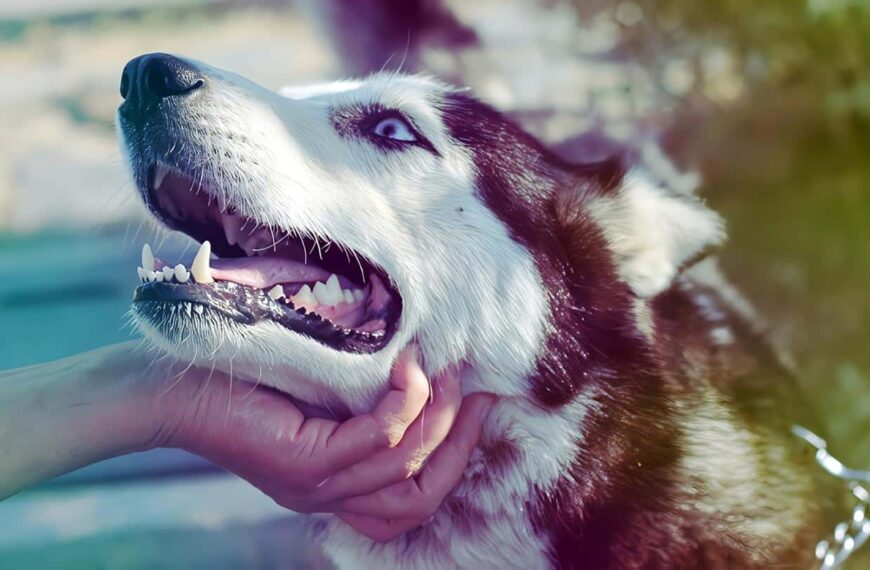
x: 292, y: 379
x: 247, y: 306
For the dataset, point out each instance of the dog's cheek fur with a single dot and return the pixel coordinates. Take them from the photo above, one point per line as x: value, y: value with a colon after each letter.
x: 602, y: 242
x: 624, y: 464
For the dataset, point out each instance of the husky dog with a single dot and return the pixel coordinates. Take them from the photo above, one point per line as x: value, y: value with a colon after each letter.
x: 643, y: 422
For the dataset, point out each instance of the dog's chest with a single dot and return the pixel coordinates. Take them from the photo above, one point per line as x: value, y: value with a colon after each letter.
x: 486, y: 522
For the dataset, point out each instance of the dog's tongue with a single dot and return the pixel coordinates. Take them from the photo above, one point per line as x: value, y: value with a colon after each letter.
x: 263, y: 272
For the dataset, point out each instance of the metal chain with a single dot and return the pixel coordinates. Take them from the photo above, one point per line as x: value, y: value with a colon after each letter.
x: 850, y: 535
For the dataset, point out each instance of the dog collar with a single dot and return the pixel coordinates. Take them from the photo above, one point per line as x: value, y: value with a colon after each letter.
x: 848, y: 536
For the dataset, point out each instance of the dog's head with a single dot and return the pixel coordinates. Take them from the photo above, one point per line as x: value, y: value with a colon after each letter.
x: 352, y: 218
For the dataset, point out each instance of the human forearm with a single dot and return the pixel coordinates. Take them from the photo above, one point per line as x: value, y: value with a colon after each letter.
x: 62, y: 415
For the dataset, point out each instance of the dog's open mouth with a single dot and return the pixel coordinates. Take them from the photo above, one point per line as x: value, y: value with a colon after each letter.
x: 307, y: 284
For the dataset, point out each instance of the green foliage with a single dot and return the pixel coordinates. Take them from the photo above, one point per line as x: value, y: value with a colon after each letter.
x: 820, y: 48
x: 777, y: 118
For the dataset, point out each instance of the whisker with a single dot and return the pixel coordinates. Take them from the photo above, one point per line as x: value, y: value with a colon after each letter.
x: 177, y: 378
x: 257, y: 384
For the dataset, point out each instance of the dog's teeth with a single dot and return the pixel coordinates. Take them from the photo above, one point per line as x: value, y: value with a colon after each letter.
x: 168, y: 273
x: 358, y: 294
x: 321, y: 293
x: 334, y: 288
x: 181, y: 273
x: 328, y: 293
x: 348, y: 296
x: 143, y: 275
x: 200, y: 269
x: 158, y: 276
x: 276, y: 292
x: 160, y: 172
x: 304, y: 297
x: 147, y: 258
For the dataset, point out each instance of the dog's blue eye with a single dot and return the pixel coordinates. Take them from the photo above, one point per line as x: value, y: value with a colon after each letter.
x: 396, y: 129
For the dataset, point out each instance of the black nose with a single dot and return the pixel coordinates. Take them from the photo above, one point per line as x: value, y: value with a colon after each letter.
x: 149, y: 78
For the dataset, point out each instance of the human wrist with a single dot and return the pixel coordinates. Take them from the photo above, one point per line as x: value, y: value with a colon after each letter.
x: 129, y: 383
x: 60, y: 416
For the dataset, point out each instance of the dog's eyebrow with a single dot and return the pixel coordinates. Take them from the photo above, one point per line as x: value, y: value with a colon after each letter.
x: 351, y: 121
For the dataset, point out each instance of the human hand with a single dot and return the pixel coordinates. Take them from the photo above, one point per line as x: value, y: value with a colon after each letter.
x: 369, y: 469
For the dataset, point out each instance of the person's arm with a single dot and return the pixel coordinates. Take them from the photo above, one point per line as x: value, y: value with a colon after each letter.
x: 63, y: 415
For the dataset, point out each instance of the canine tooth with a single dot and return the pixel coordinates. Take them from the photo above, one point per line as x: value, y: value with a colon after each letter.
x: 200, y: 269
x: 147, y: 258
x: 358, y: 294
x: 181, y: 273
x: 168, y: 273
x: 348, y: 296
x: 160, y: 172
x: 276, y: 292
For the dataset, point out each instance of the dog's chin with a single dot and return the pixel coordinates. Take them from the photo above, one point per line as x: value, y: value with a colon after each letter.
x: 322, y: 381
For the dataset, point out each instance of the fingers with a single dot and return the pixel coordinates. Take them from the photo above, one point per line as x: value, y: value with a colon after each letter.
x: 392, y: 465
x: 214, y: 416
x: 385, y: 426
x: 377, y: 529
x: 418, y: 498
x: 362, y: 465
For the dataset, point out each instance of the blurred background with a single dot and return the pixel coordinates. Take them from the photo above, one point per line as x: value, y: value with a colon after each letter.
x: 768, y: 102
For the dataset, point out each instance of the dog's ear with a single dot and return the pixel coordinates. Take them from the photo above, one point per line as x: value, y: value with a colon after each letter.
x: 654, y: 231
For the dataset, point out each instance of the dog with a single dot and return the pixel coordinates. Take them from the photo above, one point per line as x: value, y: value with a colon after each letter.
x: 643, y: 419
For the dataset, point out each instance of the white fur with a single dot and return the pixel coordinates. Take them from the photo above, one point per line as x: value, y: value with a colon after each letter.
x: 465, y: 284
x: 653, y: 231
x: 547, y: 443
x: 470, y: 293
